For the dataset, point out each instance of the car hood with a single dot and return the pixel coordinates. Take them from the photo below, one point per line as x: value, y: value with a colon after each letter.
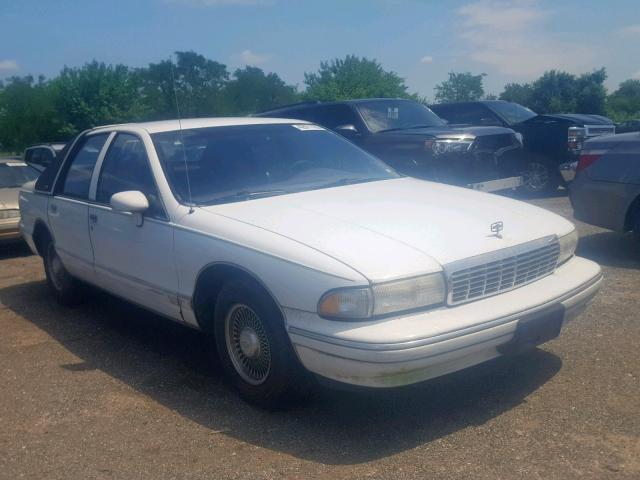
x: 580, y: 119
x: 9, y: 198
x: 395, y: 228
x: 452, y: 131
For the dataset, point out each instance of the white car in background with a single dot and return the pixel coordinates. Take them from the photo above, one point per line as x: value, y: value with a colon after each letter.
x: 302, y: 253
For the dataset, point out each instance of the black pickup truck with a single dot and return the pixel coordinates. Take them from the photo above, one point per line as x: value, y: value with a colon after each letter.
x: 550, y: 140
x: 416, y: 142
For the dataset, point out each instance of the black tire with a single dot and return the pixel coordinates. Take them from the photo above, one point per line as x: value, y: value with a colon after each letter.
x: 635, y: 222
x: 67, y: 290
x: 281, y: 384
x: 541, y: 177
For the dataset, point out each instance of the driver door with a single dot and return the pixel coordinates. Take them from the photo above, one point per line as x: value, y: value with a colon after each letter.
x: 134, y: 262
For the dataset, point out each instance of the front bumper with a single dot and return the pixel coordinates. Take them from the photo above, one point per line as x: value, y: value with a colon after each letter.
x: 416, y: 347
x: 10, y: 229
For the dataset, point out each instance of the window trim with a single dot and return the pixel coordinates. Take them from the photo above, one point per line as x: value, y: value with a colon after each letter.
x: 95, y: 179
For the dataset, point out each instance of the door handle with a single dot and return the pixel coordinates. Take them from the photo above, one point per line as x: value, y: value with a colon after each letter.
x: 93, y: 218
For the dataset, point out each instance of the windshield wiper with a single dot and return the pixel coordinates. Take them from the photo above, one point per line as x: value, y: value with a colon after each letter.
x: 248, y: 195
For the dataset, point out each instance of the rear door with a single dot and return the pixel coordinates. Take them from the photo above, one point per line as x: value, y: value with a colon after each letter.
x: 69, y: 208
x: 134, y: 262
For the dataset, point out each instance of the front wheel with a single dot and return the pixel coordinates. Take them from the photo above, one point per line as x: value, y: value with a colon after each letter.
x: 66, y: 288
x: 253, y: 346
x: 540, y: 177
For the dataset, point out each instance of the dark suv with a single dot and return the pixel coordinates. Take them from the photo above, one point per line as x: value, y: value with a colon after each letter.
x: 549, y: 140
x: 416, y: 142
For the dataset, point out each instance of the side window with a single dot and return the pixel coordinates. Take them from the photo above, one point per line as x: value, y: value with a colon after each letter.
x: 126, y: 167
x: 46, y: 156
x: 476, y: 114
x: 78, y: 177
x: 332, y: 116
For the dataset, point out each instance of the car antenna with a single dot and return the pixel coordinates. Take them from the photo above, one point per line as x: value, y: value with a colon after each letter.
x: 184, y: 151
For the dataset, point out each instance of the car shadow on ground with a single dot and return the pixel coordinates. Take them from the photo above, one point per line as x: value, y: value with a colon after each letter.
x: 171, y: 365
x: 611, y: 249
x: 14, y: 249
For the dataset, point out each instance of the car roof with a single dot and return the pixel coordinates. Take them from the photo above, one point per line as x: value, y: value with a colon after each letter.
x: 314, y: 104
x: 55, y: 145
x: 470, y: 102
x: 189, y: 123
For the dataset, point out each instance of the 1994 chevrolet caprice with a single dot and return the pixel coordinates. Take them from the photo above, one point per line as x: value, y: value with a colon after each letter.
x: 300, y: 252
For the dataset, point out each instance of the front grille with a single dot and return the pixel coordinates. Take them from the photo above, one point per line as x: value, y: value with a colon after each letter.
x: 491, y: 143
x: 497, y: 272
x: 594, y: 131
x: 11, y: 213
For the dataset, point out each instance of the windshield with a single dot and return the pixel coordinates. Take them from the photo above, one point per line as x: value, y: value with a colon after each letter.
x: 227, y: 164
x: 386, y: 115
x: 512, y: 112
x: 15, y: 174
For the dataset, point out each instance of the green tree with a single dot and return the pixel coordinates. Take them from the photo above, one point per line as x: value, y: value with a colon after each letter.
x: 591, y: 94
x: 554, y: 92
x: 27, y: 113
x: 518, y: 93
x: 353, y: 77
x: 198, y: 83
x: 95, y: 94
x: 460, y: 87
x: 251, y: 90
x: 624, y: 103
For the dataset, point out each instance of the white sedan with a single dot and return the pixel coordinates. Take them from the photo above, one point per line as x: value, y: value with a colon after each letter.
x: 300, y: 252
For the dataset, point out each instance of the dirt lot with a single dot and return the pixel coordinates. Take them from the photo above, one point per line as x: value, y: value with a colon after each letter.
x: 108, y: 391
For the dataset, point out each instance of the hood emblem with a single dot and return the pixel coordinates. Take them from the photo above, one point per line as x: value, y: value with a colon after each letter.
x: 496, y: 229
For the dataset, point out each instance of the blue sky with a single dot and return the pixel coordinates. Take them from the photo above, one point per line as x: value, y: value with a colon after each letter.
x: 510, y: 41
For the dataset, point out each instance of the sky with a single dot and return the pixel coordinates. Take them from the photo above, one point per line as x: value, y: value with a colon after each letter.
x: 421, y: 40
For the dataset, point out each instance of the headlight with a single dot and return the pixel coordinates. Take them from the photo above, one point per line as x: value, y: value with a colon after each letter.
x: 568, y: 244
x: 519, y: 138
x: 575, y: 138
x: 451, y: 145
x: 383, y: 298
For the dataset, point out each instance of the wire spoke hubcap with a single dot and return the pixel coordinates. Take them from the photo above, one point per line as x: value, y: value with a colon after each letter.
x: 247, y: 344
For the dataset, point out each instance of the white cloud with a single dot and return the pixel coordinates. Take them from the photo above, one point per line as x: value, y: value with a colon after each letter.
x: 510, y: 36
x: 8, y: 66
x: 426, y: 59
x: 215, y: 3
x: 249, y: 57
x: 636, y: 76
x: 630, y: 30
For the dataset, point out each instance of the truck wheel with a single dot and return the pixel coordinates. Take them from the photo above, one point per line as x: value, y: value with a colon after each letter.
x: 66, y: 289
x: 254, y: 348
x: 540, y: 177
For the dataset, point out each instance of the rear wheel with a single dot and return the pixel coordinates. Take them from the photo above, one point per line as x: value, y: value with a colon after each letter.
x: 66, y: 288
x: 254, y: 348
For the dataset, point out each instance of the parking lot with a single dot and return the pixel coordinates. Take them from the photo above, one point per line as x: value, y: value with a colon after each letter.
x: 106, y: 390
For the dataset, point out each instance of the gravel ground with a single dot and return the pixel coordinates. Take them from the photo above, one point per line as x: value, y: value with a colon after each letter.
x: 106, y: 390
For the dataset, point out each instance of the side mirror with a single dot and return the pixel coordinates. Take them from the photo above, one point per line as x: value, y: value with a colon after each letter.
x: 348, y: 130
x: 132, y: 201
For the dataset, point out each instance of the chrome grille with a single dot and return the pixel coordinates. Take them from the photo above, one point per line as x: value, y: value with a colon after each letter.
x: 497, y: 272
x: 12, y: 213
